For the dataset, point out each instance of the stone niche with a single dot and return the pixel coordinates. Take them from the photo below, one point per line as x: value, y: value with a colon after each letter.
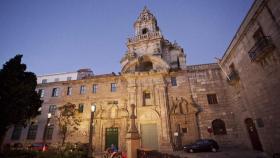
x: 183, y: 120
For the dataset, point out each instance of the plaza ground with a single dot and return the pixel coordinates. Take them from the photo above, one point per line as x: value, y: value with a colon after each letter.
x: 223, y: 153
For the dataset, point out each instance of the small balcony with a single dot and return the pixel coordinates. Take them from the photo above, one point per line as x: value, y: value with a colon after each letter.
x: 261, y: 48
x: 149, y: 35
x: 233, y: 77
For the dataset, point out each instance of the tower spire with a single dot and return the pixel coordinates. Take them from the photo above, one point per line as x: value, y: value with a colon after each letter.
x: 146, y: 22
x: 146, y: 15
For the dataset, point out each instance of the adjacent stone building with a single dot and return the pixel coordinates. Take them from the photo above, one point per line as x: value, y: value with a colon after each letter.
x: 235, y: 101
x: 252, y: 62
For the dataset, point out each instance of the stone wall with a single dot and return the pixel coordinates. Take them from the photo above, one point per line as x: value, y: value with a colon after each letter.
x: 206, y: 79
x: 256, y: 92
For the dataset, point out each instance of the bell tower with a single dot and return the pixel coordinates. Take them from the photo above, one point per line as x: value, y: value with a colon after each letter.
x: 148, y: 50
x: 145, y: 23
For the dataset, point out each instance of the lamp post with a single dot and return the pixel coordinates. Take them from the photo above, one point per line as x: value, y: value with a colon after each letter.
x: 46, y: 126
x: 93, y: 108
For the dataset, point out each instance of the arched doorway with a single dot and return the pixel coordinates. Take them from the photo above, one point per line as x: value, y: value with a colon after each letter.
x: 149, y: 129
x: 253, y: 134
x: 149, y: 136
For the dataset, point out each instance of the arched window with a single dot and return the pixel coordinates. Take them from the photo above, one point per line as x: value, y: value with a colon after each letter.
x: 144, y: 66
x: 144, y: 31
x: 219, y: 127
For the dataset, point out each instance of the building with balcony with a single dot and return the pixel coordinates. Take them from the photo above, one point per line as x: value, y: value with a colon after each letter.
x: 235, y: 101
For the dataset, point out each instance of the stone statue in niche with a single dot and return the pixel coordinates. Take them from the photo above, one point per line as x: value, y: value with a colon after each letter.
x: 113, y: 112
x: 184, y: 105
x: 179, y: 105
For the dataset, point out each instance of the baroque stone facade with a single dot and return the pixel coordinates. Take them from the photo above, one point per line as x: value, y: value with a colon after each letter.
x: 235, y: 101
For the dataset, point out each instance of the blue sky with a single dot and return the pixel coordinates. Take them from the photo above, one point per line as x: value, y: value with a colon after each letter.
x: 65, y: 35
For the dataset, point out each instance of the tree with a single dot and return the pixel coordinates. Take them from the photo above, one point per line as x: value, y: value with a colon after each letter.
x: 19, y: 101
x: 68, y: 121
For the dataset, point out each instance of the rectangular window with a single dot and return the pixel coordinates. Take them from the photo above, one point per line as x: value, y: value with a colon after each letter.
x: 212, y: 99
x: 147, y: 95
x: 147, y: 99
x: 32, y: 131
x: 44, y: 81
x: 69, y: 91
x: 16, y: 132
x: 55, y: 92
x: 52, y: 109
x: 173, y: 81
x: 56, y: 79
x: 41, y: 93
x: 69, y: 78
x: 81, y: 108
x: 49, y: 131
x: 94, y: 88
x: 184, y: 130
x: 82, y: 89
x: 113, y: 87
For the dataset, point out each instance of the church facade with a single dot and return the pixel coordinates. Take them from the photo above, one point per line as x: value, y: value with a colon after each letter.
x: 235, y: 101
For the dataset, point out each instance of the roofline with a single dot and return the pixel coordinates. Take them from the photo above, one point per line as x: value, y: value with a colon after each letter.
x: 56, y: 74
x: 238, y: 30
x: 203, y: 64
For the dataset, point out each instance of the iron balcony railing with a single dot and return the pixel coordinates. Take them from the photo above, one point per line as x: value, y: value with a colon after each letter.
x: 261, y: 48
x: 233, y: 77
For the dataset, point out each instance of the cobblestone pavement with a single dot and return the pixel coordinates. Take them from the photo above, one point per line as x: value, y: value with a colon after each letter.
x: 224, y: 153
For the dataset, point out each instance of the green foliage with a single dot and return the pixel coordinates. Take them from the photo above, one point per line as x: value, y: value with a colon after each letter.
x: 19, y: 101
x: 68, y: 120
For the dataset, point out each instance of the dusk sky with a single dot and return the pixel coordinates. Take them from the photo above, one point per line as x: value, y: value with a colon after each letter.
x: 66, y: 35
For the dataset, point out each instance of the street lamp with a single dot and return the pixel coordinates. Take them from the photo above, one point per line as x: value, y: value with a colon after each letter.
x: 49, y: 115
x: 46, y: 126
x: 93, y: 108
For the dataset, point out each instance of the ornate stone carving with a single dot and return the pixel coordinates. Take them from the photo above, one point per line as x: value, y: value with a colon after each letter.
x: 112, y: 111
x: 149, y: 115
x: 180, y: 105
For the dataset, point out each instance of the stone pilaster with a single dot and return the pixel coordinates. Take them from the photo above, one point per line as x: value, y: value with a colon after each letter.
x: 165, y: 144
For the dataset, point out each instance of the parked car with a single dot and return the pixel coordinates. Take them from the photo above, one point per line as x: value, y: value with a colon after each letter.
x: 202, y: 145
x: 39, y: 147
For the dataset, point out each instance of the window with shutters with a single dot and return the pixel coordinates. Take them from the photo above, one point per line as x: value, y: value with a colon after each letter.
x: 55, y: 92
x: 16, y: 132
x: 32, y: 131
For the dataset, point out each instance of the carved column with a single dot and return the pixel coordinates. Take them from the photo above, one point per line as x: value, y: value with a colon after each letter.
x: 132, y: 136
x: 132, y: 94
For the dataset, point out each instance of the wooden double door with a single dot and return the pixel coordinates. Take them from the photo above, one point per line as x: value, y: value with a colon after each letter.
x: 111, y: 137
x: 253, y: 134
